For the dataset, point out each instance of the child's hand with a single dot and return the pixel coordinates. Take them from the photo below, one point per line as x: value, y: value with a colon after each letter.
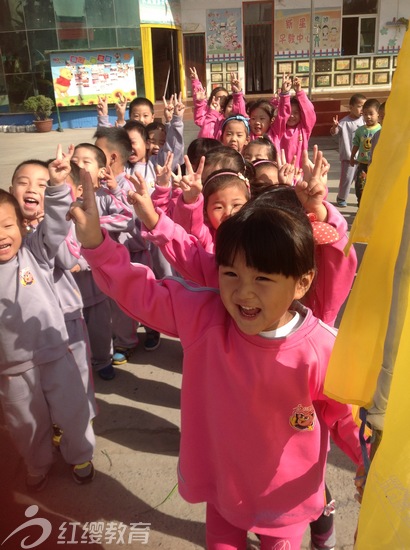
x: 85, y: 215
x: 109, y: 178
x: 353, y: 162
x: 76, y: 268
x: 102, y: 105
x: 120, y: 109
x: 360, y: 482
x: 164, y: 173
x: 312, y: 190
x: 168, y: 108
x: 60, y: 167
x: 297, y: 85
x: 287, y: 171
x: 235, y: 83
x: 191, y: 183
x: 179, y: 106
x: 177, y: 178
x: 216, y: 104
x: 335, y: 125
x: 142, y: 203
x: 193, y: 75
x: 286, y: 84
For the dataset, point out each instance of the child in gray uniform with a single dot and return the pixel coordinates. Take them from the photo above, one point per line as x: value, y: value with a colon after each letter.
x: 39, y: 379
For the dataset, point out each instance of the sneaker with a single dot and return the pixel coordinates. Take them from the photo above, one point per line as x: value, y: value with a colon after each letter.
x: 121, y: 355
x: 152, y: 341
x: 36, y: 483
x: 107, y: 373
x: 83, y: 473
x: 341, y: 203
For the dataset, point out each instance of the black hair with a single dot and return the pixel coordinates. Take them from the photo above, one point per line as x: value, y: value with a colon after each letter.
x: 156, y: 125
x: 229, y: 159
x: 356, y: 98
x: 8, y: 198
x: 371, y: 104
x: 262, y: 176
x: 138, y: 127
x: 261, y: 104
x: 214, y: 92
x: 98, y: 152
x: 266, y: 142
x: 117, y: 139
x: 138, y: 102
x: 225, y: 101
x: 199, y: 147
x: 273, y: 239
x: 281, y: 195
x: 37, y: 162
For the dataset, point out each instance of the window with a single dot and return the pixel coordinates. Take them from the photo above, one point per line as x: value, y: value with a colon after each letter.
x: 358, y: 35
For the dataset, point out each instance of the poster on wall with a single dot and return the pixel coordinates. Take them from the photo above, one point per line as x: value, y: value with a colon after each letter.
x: 292, y: 30
x: 164, y: 12
x: 224, y: 34
x: 80, y: 77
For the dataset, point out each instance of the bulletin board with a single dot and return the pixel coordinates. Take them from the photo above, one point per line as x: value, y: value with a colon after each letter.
x: 79, y: 78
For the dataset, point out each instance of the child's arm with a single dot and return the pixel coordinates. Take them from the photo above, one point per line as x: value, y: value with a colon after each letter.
x: 120, y: 109
x: 355, y: 148
x: 307, y: 110
x: 102, y: 111
x: 278, y: 128
x: 238, y: 102
x: 334, y: 129
x: 312, y: 190
x: 133, y: 286
x: 174, y: 142
x: 199, y: 96
x: 183, y: 251
x: 211, y: 122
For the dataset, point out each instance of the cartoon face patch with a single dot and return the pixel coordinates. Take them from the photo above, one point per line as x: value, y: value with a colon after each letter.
x: 303, y: 418
x: 26, y: 277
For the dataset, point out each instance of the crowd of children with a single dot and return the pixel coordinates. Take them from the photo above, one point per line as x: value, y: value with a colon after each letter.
x: 232, y: 248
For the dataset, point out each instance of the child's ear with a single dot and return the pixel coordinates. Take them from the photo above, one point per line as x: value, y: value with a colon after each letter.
x: 79, y: 191
x: 303, y: 284
x: 11, y: 190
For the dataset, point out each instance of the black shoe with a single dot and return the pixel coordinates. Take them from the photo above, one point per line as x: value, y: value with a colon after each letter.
x: 107, y: 373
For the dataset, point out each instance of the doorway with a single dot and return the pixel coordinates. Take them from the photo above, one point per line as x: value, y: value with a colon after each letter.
x: 165, y: 61
x: 194, y: 55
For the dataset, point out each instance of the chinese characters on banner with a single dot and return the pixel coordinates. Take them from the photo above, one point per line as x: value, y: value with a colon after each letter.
x: 292, y: 30
x: 79, y: 78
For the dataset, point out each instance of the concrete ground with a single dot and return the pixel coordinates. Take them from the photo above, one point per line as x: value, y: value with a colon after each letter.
x: 132, y: 500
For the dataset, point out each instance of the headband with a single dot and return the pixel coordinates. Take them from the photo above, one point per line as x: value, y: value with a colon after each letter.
x: 237, y: 117
x: 228, y: 173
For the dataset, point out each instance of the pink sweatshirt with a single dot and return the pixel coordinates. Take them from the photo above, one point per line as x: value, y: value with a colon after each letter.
x: 255, y: 423
x: 192, y: 256
x: 295, y: 139
x: 213, y: 120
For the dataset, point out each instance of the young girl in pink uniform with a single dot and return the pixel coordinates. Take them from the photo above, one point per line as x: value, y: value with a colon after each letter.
x: 255, y: 422
x: 294, y: 122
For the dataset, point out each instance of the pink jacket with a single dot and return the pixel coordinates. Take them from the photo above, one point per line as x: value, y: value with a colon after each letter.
x: 296, y: 139
x: 255, y: 422
x: 212, y: 122
x: 192, y: 256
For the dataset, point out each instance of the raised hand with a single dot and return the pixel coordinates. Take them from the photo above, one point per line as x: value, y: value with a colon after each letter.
x: 235, y: 83
x: 286, y: 83
x: 60, y: 167
x: 140, y: 199
x: 179, y: 105
x: 177, y: 178
x: 312, y: 189
x: 110, y: 180
x: 164, y: 173
x: 193, y: 74
x: 84, y: 214
x: 169, y: 107
x: 216, y: 104
x: 191, y: 183
x: 297, y: 85
x: 120, y: 109
x: 102, y: 105
x: 288, y: 173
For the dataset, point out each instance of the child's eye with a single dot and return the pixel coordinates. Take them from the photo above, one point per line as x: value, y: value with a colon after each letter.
x: 229, y: 273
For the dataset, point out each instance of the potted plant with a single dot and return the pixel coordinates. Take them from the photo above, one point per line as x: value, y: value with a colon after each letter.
x: 41, y: 107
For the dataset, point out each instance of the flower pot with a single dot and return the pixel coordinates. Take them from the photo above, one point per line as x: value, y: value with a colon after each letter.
x: 44, y: 125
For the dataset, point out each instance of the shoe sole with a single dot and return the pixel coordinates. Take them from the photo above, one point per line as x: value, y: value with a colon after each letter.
x: 83, y: 481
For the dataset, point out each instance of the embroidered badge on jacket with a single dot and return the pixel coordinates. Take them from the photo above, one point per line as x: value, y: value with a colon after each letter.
x: 303, y: 418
